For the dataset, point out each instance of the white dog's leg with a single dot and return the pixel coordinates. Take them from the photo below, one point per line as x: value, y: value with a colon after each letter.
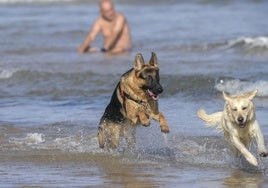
x: 250, y: 158
x: 259, y: 138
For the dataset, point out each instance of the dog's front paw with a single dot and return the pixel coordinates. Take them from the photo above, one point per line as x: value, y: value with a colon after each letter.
x: 264, y: 154
x: 165, y: 129
x: 252, y: 160
x: 145, y: 122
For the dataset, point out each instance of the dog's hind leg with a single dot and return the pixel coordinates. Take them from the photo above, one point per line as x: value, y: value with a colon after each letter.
x: 101, y: 137
x: 108, y: 135
x: 260, y: 141
x: 112, y: 134
x: 130, y: 137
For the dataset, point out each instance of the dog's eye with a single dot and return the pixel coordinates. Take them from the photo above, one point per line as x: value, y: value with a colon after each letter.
x: 141, y: 76
x: 149, y: 79
x: 234, y: 109
x: 244, y: 108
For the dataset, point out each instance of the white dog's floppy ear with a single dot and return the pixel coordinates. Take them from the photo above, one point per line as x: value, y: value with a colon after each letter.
x: 226, y: 96
x: 139, y: 62
x: 153, y: 60
x: 252, y: 94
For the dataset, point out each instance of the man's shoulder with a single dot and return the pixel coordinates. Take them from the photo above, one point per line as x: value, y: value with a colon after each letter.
x: 120, y: 17
x: 99, y: 19
x: 97, y: 22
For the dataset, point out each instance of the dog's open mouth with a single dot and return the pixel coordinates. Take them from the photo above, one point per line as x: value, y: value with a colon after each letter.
x: 152, y: 94
x: 242, y: 125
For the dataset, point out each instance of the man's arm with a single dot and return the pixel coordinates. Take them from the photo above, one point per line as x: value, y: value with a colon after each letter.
x: 117, y: 30
x: 90, y: 37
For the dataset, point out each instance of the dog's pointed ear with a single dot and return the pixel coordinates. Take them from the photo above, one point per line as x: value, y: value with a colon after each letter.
x: 252, y: 94
x: 153, y: 60
x: 139, y: 62
x: 225, y: 96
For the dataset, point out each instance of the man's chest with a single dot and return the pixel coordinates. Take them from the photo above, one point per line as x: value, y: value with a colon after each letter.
x: 107, y: 29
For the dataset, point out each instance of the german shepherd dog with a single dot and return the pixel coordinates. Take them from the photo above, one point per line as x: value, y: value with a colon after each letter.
x: 134, y: 102
x: 239, y: 124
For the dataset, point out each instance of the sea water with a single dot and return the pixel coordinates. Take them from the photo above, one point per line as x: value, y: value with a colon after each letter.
x: 53, y: 97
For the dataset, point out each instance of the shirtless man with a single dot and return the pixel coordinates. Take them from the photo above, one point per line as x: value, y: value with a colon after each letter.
x: 114, y: 28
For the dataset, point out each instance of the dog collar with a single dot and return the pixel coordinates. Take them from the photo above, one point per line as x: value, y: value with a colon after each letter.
x: 125, y: 95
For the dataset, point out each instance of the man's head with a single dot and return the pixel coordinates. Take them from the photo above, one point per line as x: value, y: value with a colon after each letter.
x: 107, y: 10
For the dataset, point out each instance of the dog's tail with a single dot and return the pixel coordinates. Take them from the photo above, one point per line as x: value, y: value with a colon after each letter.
x: 212, y: 120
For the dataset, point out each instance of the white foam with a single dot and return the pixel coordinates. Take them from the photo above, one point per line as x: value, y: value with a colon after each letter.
x: 29, y: 139
x: 250, y: 42
x: 35, y: 138
x: 236, y: 86
x: 4, y: 73
x: 77, y: 144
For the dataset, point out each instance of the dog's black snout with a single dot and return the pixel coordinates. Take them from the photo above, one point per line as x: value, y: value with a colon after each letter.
x: 160, y: 89
x: 240, y: 119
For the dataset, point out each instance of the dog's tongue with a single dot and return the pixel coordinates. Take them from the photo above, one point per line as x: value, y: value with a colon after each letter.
x: 152, y: 95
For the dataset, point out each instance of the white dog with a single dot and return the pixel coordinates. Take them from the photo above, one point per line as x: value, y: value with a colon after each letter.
x: 237, y: 120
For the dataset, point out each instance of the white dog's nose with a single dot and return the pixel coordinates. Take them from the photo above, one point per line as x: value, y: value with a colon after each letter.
x: 240, y: 119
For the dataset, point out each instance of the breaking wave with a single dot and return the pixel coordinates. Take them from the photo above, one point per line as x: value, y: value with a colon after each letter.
x: 4, y: 73
x: 235, y: 86
x: 250, y: 42
x: 250, y: 45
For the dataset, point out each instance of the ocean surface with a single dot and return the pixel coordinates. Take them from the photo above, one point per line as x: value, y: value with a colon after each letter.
x: 51, y: 97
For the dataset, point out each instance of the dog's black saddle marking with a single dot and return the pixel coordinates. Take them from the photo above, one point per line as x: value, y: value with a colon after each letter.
x: 112, y: 111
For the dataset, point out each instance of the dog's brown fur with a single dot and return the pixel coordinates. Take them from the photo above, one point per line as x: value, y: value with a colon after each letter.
x: 239, y: 124
x: 134, y: 102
